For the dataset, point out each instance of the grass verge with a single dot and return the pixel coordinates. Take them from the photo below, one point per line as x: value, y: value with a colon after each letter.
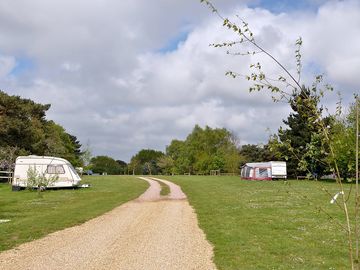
x: 165, y: 189
x: 268, y: 224
x: 33, y: 217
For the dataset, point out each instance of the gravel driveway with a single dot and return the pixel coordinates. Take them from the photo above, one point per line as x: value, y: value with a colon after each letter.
x: 150, y: 233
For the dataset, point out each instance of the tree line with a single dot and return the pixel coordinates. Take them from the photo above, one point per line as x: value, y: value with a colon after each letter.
x: 203, y: 150
x: 25, y: 130
x: 298, y: 142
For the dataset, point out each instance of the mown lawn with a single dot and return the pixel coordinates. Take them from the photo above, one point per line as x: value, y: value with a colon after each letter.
x: 268, y: 224
x: 33, y: 217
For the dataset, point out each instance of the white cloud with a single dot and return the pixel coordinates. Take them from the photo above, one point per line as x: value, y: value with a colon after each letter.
x: 333, y: 41
x: 103, y: 68
x: 71, y: 67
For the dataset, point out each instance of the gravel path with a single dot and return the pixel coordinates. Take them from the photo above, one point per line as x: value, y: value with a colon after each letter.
x: 148, y: 233
x: 175, y: 191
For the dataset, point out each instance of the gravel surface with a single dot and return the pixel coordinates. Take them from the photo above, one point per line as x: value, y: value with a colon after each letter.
x: 175, y: 191
x: 148, y: 233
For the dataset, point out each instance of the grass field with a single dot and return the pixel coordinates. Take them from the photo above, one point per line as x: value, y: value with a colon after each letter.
x: 33, y: 217
x: 267, y: 224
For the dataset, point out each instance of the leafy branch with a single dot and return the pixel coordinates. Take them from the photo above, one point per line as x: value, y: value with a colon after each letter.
x: 306, y: 99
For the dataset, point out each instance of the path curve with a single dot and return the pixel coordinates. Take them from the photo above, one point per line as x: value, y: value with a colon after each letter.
x: 175, y: 191
x: 152, y: 193
x: 147, y: 233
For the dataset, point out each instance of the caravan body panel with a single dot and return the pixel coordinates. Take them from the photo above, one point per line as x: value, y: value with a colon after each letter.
x: 47, y: 166
x: 264, y: 170
x: 278, y: 169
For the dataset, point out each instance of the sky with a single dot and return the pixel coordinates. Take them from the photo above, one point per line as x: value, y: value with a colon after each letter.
x: 135, y: 74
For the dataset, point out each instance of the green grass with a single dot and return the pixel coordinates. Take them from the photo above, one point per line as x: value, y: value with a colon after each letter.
x: 267, y: 224
x: 165, y: 189
x: 33, y: 217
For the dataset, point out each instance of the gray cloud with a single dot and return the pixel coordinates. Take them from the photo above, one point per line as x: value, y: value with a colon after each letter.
x: 116, y: 76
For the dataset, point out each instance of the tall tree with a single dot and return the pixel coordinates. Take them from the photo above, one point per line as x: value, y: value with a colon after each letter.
x: 343, y: 141
x: 166, y: 164
x: 22, y: 123
x: 23, y: 127
x: 302, y: 143
x: 252, y: 153
x: 105, y: 164
x: 177, y: 151
x: 205, y: 149
x: 123, y: 165
x: 145, y: 162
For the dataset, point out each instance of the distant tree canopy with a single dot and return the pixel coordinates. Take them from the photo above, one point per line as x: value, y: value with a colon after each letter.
x: 256, y: 153
x: 204, y: 149
x: 299, y: 143
x: 23, y: 127
x: 123, y: 165
x: 105, y: 164
x: 145, y: 162
x: 25, y: 130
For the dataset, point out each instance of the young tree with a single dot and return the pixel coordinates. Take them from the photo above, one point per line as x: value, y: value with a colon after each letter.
x: 86, y: 155
x: 39, y: 180
x: 283, y: 88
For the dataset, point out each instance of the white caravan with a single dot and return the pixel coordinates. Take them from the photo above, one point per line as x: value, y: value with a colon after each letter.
x: 46, y: 166
x: 264, y: 170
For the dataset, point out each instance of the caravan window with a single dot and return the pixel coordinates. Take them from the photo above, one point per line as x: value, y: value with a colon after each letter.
x: 55, y: 169
x: 248, y: 172
x: 261, y: 173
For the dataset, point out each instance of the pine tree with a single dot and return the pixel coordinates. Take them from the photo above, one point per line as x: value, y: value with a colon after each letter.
x: 301, y: 143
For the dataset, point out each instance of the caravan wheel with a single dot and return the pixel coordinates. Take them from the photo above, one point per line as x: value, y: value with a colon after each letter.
x: 15, y: 188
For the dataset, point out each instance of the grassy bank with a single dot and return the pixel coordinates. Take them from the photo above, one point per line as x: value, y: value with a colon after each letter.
x: 33, y: 217
x: 268, y: 225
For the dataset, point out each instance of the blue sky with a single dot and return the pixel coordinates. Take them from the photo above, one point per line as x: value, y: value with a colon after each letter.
x: 23, y: 64
x: 279, y: 6
x: 174, y: 42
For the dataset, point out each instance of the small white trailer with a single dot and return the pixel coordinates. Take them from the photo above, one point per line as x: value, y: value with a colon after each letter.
x: 50, y: 167
x: 264, y: 170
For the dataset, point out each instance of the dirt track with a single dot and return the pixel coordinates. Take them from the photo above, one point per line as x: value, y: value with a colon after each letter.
x: 148, y: 233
